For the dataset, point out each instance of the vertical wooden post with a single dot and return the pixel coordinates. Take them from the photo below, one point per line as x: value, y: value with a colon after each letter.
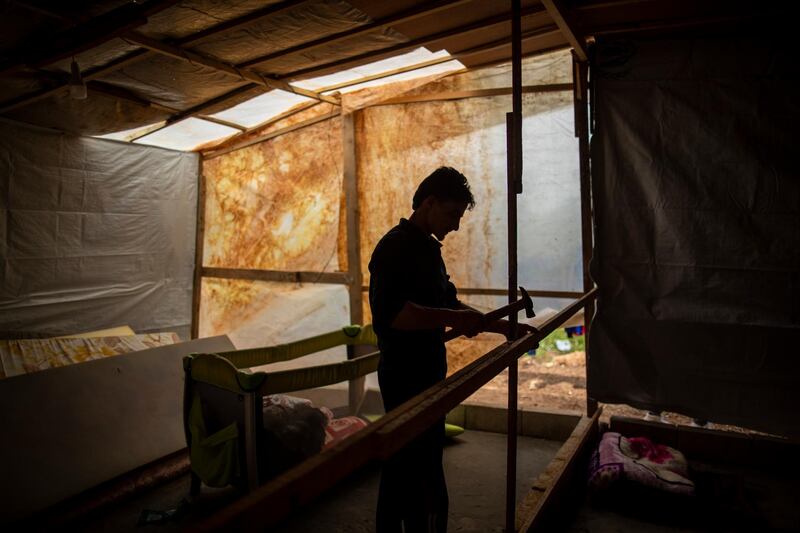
x: 580, y: 71
x: 252, y: 425
x: 514, y: 185
x: 198, y: 248
x: 355, y: 386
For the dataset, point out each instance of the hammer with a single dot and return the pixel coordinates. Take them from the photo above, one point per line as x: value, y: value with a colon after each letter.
x: 524, y: 302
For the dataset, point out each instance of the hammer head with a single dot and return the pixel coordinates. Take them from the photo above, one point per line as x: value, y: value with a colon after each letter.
x: 528, y: 303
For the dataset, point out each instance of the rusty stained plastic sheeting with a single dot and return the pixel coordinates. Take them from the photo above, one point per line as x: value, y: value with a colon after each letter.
x: 399, y: 145
x: 276, y: 205
x: 260, y: 313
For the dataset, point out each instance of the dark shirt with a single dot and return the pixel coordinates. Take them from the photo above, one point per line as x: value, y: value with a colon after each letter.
x: 407, y: 266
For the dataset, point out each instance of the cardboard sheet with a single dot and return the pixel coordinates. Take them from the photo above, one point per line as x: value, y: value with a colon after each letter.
x: 68, y: 429
x: 32, y: 355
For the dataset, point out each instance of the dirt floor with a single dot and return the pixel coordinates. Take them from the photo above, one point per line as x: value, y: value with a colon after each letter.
x: 549, y: 380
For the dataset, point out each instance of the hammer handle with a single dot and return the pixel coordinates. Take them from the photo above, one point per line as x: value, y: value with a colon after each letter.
x: 491, y: 316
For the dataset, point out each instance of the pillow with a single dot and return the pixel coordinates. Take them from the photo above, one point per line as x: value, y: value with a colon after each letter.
x: 640, y: 461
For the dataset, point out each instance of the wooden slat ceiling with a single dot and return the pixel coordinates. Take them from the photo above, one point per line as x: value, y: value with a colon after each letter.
x: 165, y: 60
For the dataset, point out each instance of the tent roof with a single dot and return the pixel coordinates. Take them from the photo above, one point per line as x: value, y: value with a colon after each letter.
x: 152, y: 63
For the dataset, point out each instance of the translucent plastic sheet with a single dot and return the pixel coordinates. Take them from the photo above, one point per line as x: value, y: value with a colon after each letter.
x: 257, y: 313
x: 697, y: 210
x: 94, y: 233
x: 399, y: 145
x: 545, y: 69
x: 275, y: 205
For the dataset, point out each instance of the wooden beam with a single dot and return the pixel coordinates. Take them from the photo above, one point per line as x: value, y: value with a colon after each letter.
x: 200, y: 108
x: 398, y: 18
x: 350, y: 184
x: 203, y: 107
x: 222, y: 122
x: 326, y: 89
x: 199, y: 246
x: 276, y: 275
x: 94, y: 32
x: 415, y: 43
x: 504, y: 292
x: 547, y: 499
x: 139, y: 55
x: 542, y: 31
x: 267, y: 505
x: 539, y: 52
x: 558, y: 12
x: 513, y: 188
x: 123, y: 94
x: 277, y: 133
x: 184, y: 54
x: 476, y: 93
x: 235, y: 140
x: 581, y: 102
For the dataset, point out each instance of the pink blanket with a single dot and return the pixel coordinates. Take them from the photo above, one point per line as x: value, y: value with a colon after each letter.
x: 641, y: 461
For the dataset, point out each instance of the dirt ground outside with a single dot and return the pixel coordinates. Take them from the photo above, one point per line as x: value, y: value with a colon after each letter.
x: 548, y: 380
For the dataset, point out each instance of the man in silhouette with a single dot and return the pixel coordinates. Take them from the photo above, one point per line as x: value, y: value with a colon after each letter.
x: 412, y: 302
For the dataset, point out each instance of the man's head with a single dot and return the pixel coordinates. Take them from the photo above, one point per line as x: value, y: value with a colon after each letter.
x: 441, y: 200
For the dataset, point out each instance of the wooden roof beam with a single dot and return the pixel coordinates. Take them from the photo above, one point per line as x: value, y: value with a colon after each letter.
x: 85, y: 36
x: 144, y: 53
x: 416, y: 43
x: 123, y: 94
x: 190, y: 56
x: 399, y: 18
x: 560, y: 15
x: 531, y: 34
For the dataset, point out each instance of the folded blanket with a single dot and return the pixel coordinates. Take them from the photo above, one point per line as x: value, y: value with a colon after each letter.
x: 640, y: 461
x: 295, y: 429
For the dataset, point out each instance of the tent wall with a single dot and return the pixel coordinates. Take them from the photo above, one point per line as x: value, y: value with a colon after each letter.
x: 698, y: 230
x: 278, y: 206
x: 94, y: 234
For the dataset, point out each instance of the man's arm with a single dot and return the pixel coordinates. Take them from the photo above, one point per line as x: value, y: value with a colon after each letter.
x: 501, y: 326
x: 413, y: 316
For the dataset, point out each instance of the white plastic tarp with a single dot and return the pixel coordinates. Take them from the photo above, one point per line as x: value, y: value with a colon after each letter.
x: 94, y: 234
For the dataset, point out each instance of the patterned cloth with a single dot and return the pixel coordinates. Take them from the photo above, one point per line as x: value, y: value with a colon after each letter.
x: 336, y: 428
x: 641, y: 461
x: 31, y: 355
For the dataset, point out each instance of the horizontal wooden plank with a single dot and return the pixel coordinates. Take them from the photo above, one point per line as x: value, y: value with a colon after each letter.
x: 476, y: 93
x: 504, y: 292
x: 267, y: 505
x: 541, y: 503
x: 276, y: 275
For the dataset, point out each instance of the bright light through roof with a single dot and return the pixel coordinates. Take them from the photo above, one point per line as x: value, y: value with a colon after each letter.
x: 127, y: 135
x: 420, y: 55
x: 187, y: 134
x: 448, y: 66
x: 262, y: 107
x: 191, y: 133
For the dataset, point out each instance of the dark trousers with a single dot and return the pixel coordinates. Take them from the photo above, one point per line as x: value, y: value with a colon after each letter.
x: 412, y: 497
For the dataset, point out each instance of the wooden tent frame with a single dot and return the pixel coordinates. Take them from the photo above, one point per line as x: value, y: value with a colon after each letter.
x: 270, y: 503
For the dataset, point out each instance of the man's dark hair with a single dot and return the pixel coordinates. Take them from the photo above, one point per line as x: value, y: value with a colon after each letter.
x: 445, y: 183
